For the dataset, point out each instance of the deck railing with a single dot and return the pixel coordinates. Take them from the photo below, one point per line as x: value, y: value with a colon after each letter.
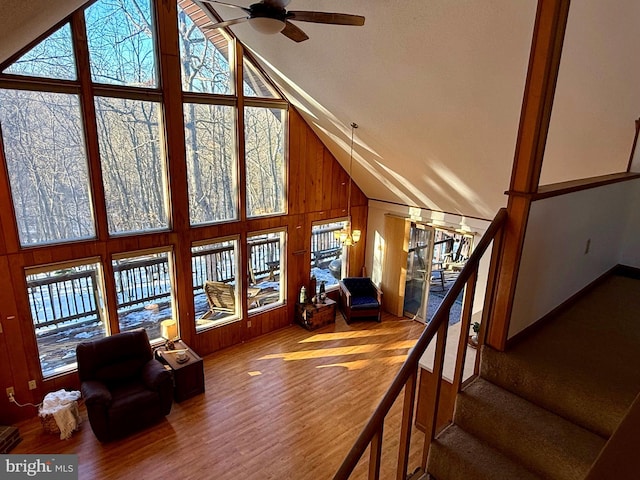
x: 406, y: 378
x: 72, y: 297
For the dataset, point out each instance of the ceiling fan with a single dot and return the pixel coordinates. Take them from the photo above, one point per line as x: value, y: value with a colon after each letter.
x: 271, y: 16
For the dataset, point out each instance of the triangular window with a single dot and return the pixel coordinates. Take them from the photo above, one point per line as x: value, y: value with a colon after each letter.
x: 204, y: 54
x: 255, y: 85
x: 51, y: 58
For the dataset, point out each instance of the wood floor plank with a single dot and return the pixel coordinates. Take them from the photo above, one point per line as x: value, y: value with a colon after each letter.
x: 287, y: 405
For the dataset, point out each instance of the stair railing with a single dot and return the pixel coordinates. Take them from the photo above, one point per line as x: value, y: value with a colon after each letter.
x: 406, y: 378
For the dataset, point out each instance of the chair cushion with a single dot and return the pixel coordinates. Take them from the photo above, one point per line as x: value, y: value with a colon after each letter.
x: 362, y: 303
x: 359, y: 286
x: 116, y: 372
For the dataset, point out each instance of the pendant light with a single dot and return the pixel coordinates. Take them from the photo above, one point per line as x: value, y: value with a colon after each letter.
x: 347, y: 236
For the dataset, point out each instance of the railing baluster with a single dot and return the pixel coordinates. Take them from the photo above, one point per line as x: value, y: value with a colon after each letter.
x: 438, y: 364
x: 375, y: 454
x: 405, y: 428
x: 465, y: 322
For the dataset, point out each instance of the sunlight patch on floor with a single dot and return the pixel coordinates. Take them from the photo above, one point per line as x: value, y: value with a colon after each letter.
x: 360, y: 364
x: 325, y: 352
x: 324, y: 337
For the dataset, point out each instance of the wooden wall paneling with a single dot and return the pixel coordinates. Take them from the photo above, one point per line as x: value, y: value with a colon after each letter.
x: 9, y: 242
x: 314, y: 160
x: 298, y: 257
x: 19, y: 335
x: 298, y: 156
x: 328, y: 164
x: 215, y: 339
x: 293, y: 187
x: 183, y: 287
x: 339, y: 189
x: 8, y: 411
x: 268, y: 321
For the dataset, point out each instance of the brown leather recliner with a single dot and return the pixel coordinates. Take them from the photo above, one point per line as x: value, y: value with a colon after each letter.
x: 124, y: 388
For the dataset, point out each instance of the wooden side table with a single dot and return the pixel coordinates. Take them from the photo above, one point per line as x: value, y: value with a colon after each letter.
x: 188, y: 377
x: 316, y: 315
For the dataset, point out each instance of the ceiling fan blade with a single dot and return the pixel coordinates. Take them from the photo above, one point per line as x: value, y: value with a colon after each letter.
x: 276, y: 3
x: 226, y: 4
x: 225, y: 24
x: 294, y: 33
x: 326, y: 17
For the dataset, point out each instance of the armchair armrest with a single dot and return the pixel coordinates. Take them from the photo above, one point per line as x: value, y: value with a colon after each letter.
x: 154, y: 375
x: 345, y: 293
x: 95, y: 393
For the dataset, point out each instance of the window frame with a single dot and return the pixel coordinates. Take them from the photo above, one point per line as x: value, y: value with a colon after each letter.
x: 100, y: 301
x: 237, y: 315
x: 282, y: 231
x: 171, y: 277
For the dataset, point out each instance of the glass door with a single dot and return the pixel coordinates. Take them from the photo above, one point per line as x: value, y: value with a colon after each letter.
x: 419, y: 256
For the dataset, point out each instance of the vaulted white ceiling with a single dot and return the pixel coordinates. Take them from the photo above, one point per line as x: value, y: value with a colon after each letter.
x: 436, y: 89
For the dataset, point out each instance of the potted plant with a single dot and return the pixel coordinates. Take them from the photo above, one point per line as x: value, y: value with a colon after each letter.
x: 473, y: 339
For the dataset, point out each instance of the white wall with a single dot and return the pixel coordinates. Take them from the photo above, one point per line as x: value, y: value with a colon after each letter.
x: 555, y: 262
x: 630, y: 254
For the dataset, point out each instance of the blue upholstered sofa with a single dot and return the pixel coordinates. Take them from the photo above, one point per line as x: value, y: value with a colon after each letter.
x: 360, y: 298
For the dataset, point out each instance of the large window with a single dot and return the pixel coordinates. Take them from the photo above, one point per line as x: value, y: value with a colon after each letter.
x: 264, y: 154
x: 204, y: 59
x: 63, y: 163
x: 45, y: 152
x: 266, y: 269
x: 215, y: 282
x: 211, y: 165
x: 120, y: 34
x: 66, y: 308
x: 133, y: 166
x: 327, y: 253
x: 144, y: 291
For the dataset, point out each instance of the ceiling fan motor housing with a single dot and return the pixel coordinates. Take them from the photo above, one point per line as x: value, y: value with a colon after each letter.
x: 261, y: 10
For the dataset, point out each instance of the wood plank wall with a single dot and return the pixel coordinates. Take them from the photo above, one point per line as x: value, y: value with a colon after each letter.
x: 317, y: 190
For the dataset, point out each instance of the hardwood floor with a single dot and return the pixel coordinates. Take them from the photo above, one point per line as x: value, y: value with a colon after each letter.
x: 287, y: 405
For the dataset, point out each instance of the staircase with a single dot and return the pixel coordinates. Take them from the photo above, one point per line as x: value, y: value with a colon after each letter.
x: 545, y: 408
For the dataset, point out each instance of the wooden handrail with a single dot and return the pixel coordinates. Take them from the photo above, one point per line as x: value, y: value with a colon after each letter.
x: 408, y: 370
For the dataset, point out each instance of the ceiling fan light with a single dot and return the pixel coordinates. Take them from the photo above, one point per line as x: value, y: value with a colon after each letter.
x: 356, y: 236
x: 269, y: 26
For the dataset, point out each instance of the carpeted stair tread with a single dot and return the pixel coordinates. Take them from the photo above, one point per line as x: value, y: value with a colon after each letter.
x: 592, y: 404
x: 538, y: 439
x: 457, y: 455
x: 582, y: 364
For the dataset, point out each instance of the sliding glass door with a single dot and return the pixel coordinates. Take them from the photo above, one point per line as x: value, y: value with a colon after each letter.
x: 418, y: 271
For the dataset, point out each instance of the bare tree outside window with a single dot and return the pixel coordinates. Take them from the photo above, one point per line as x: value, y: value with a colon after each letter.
x: 205, y: 64
x: 51, y: 58
x: 211, y: 165
x: 133, y: 166
x: 120, y: 35
x: 46, y: 160
x: 264, y: 154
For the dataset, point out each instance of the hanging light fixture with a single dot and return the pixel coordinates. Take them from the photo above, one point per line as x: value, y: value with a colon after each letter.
x: 347, y: 236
